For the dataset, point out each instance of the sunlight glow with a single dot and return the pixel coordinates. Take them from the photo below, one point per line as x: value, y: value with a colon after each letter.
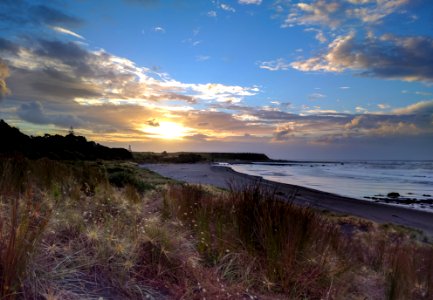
x: 166, y: 130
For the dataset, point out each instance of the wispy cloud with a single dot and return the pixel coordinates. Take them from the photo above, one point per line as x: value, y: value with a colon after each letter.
x: 320, y: 36
x: 275, y: 65
x: 202, y: 57
x: 226, y: 7
x: 256, y: 2
x: 212, y: 14
x: 316, y: 96
x: 420, y: 93
x: 4, y: 73
x: 191, y: 41
x: 159, y: 29
x: 66, y: 31
x: 383, y: 106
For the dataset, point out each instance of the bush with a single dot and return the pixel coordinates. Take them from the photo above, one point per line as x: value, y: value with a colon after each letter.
x: 124, y: 178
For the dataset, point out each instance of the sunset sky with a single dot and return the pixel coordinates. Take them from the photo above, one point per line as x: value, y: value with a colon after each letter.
x: 319, y: 79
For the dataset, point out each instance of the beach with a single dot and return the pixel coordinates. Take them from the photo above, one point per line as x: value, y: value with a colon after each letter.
x: 222, y: 176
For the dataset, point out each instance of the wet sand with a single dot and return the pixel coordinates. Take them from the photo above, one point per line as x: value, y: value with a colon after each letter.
x: 222, y: 176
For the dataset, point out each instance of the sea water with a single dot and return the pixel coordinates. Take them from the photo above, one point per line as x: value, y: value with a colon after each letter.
x: 367, y: 180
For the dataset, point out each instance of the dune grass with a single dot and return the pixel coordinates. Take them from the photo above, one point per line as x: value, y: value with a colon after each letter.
x: 272, y: 247
x: 91, y: 230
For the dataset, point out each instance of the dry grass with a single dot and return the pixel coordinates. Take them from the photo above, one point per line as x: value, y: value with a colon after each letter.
x: 256, y: 242
x: 67, y: 233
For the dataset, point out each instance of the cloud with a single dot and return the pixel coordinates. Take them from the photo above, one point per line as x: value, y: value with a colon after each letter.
x: 113, y: 99
x: 326, y: 126
x: 383, y: 106
x: 64, y: 70
x: 316, y: 96
x: 284, y: 132
x: 22, y: 18
x: 33, y: 112
x: 212, y: 14
x: 227, y: 7
x: 256, y: 2
x: 221, y: 93
x: 192, y: 42
x: 275, y: 65
x: 159, y: 29
x: 421, y: 93
x: 66, y: 31
x: 202, y: 57
x: 321, y: 37
x: 318, y: 12
x: 332, y: 13
x: 388, y: 56
x: 419, y: 108
x: 112, y: 96
x: 4, y: 73
x: 360, y: 109
x: 24, y: 13
x: 153, y: 123
x: 51, y: 16
x: 8, y: 47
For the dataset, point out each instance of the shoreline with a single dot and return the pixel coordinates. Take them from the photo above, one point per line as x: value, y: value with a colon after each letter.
x: 220, y: 176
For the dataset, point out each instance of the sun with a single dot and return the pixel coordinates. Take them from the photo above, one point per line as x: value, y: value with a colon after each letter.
x: 167, y: 130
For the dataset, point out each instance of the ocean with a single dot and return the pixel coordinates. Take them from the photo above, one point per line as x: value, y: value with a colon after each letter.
x: 366, y: 180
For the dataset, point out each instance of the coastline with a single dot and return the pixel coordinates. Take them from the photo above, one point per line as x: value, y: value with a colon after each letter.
x: 220, y: 176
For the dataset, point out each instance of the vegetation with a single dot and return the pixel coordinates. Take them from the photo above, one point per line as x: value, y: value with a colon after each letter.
x: 86, y: 230
x: 69, y: 147
x: 188, y: 157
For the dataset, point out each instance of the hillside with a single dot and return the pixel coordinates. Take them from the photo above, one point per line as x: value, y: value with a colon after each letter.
x: 69, y: 147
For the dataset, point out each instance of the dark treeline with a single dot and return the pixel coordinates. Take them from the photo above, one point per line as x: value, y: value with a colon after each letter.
x: 239, y: 156
x: 190, y: 157
x: 69, y: 147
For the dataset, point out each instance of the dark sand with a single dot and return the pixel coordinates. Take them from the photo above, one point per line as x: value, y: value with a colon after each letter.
x: 221, y: 176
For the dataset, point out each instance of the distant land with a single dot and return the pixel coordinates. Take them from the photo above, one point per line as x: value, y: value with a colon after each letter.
x: 194, y: 157
x: 75, y: 147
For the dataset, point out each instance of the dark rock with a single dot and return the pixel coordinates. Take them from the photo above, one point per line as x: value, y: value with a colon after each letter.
x: 393, y: 195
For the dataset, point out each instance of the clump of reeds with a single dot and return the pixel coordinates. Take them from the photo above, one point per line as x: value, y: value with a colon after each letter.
x: 22, y: 223
x: 256, y: 240
x: 296, y: 241
x: 290, y: 245
x: 405, y: 264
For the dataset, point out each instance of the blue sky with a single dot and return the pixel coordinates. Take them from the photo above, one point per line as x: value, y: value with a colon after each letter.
x: 318, y: 79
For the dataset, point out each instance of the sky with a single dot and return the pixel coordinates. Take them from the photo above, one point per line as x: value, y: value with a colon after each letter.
x: 318, y: 79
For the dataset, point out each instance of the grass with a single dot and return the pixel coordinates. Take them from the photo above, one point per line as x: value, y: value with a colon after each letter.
x: 91, y: 230
x: 256, y: 241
